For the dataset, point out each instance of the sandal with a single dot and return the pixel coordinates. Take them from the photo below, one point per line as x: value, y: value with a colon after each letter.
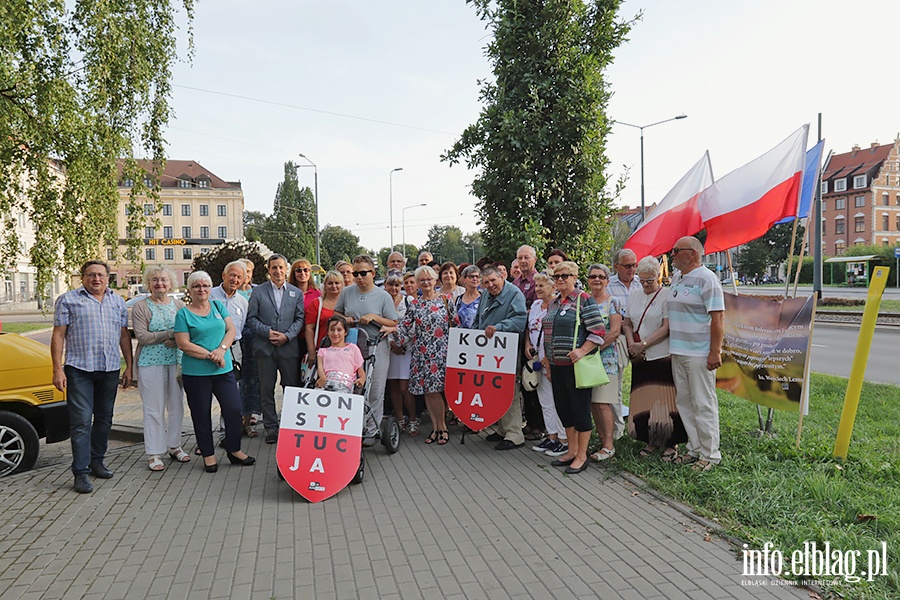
x: 433, y: 437
x: 443, y: 437
x: 249, y: 427
x: 156, y: 464
x: 197, y: 451
x: 603, y: 454
x: 670, y: 455
x: 686, y: 459
x: 647, y: 451
x: 414, y: 428
x: 703, y: 466
x: 179, y: 455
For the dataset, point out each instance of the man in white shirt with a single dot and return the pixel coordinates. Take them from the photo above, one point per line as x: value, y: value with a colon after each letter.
x: 620, y: 285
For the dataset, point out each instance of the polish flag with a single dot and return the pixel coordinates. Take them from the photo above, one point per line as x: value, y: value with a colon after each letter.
x: 743, y: 205
x: 676, y: 216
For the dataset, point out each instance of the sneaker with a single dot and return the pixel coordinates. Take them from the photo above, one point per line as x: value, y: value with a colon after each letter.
x: 559, y: 449
x: 545, y: 445
x: 369, y: 442
x: 272, y: 436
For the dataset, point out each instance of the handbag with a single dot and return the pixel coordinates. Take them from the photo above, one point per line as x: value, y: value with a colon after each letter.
x: 589, y: 370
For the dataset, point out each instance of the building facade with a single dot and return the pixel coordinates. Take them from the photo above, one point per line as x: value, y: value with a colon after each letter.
x: 861, y: 199
x: 198, y: 211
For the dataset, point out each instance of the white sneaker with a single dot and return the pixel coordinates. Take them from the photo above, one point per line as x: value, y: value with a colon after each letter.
x: 558, y: 450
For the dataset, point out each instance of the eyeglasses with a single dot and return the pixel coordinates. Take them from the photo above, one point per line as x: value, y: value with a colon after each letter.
x: 473, y: 276
x: 631, y: 266
x: 362, y: 273
x: 648, y: 280
x: 421, y: 281
x: 301, y: 270
x: 201, y: 286
x: 677, y: 250
x: 559, y: 276
x: 600, y: 277
x: 97, y: 275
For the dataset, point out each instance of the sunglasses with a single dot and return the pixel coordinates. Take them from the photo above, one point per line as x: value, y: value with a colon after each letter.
x: 677, y: 250
x: 301, y: 270
x: 560, y: 276
x: 601, y: 277
x: 362, y: 273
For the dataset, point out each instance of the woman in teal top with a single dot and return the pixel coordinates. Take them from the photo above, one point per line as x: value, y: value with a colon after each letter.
x: 204, y: 332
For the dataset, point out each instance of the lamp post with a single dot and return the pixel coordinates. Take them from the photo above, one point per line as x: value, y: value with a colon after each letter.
x: 642, y: 128
x: 391, y: 192
x: 316, y: 198
x: 403, y: 226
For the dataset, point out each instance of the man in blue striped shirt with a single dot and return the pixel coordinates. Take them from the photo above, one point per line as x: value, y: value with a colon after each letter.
x: 91, y: 324
x: 696, y: 332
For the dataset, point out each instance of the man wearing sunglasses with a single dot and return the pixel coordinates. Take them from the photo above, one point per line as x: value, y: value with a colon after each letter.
x: 275, y: 316
x: 367, y: 306
x: 620, y: 286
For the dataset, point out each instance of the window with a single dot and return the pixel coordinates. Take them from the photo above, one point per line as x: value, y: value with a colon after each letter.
x: 185, y: 210
x: 186, y: 254
x: 839, y: 247
x: 204, y: 232
x: 204, y: 210
x: 885, y: 222
x: 221, y: 210
x: 184, y: 183
x: 149, y: 209
x: 186, y: 274
x: 128, y: 183
x: 149, y: 232
x: 223, y: 232
x: 859, y: 224
x: 859, y: 201
x: 859, y: 182
x: 127, y: 210
x: 111, y: 253
x: 824, y: 187
x: 839, y: 225
x: 823, y: 226
x: 148, y: 182
x: 885, y: 242
x: 203, y: 183
x: 859, y: 242
x: 898, y: 223
x: 186, y: 231
x: 167, y: 210
x: 169, y: 253
x: 898, y: 199
x: 150, y: 253
x: 885, y: 199
x: 168, y: 232
x: 840, y: 185
x: 840, y: 203
x: 824, y: 205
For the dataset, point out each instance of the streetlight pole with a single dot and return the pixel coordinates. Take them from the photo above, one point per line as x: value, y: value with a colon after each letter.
x: 391, y: 192
x: 403, y: 226
x: 316, y: 197
x: 642, y: 128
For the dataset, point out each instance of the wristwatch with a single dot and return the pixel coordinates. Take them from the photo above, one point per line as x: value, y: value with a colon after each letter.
x: 645, y: 343
x: 224, y: 347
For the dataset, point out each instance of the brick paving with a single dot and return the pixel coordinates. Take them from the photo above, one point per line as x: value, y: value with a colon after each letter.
x: 456, y: 522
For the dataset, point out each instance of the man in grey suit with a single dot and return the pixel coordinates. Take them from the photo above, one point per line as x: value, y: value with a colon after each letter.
x: 276, y: 318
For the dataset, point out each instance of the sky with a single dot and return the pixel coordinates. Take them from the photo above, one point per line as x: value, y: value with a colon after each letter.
x: 363, y: 88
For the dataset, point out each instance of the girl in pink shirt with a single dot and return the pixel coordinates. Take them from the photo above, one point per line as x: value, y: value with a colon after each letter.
x: 340, y: 365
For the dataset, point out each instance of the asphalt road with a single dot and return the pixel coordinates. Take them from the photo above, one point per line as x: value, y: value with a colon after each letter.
x: 834, y: 346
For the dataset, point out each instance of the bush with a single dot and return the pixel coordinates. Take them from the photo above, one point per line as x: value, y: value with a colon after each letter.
x: 214, y: 261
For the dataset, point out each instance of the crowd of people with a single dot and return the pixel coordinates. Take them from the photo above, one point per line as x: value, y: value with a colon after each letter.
x: 233, y: 342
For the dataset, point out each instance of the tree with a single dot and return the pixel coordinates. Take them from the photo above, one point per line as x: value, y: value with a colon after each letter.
x: 214, y: 261
x: 337, y: 243
x: 82, y: 85
x: 539, y: 142
x: 291, y: 228
x: 254, y: 225
x: 769, y: 250
x: 445, y: 242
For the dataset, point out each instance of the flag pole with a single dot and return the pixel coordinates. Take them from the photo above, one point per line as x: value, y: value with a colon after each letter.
x: 804, y: 243
x: 804, y: 401
x: 787, y: 277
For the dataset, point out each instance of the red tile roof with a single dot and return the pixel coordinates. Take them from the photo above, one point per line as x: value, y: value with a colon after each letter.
x: 856, y: 162
x: 176, y: 170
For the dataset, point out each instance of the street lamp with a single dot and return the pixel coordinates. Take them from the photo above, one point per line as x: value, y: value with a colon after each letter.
x: 403, y: 226
x: 391, y: 192
x: 316, y: 197
x: 642, y: 128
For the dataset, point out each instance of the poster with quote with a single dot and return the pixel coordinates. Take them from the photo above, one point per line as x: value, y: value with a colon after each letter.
x: 481, y: 375
x: 765, y: 357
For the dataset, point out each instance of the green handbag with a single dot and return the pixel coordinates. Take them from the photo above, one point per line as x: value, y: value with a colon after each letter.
x: 589, y: 370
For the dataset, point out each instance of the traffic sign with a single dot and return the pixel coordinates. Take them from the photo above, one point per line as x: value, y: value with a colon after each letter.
x: 897, y: 252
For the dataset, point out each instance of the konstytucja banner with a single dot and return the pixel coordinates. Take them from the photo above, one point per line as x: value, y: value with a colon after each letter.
x: 764, y: 357
x: 481, y: 375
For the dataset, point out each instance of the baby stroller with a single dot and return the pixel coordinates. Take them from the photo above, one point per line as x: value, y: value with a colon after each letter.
x: 388, y: 431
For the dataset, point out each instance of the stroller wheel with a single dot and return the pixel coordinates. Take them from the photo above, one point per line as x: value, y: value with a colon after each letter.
x: 390, y: 434
x: 361, y: 472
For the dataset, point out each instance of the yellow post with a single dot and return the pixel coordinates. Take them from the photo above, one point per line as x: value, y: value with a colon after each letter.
x: 854, y: 386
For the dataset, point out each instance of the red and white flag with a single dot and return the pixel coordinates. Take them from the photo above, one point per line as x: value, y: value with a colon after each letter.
x: 743, y: 205
x: 676, y: 216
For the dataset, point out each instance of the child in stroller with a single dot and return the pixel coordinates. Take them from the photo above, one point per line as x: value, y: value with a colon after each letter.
x: 340, y: 365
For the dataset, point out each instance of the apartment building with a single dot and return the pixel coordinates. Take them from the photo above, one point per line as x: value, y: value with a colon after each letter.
x: 199, y: 210
x: 861, y: 198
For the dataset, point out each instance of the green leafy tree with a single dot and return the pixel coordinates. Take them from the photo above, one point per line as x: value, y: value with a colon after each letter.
x: 82, y: 85
x: 291, y: 228
x: 254, y: 225
x: 337, y: 243
x: 539, y: 142
x: 768, y: 251
x: 445, y: 242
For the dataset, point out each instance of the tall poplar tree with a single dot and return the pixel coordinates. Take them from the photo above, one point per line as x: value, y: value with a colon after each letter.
x: 539, y: 142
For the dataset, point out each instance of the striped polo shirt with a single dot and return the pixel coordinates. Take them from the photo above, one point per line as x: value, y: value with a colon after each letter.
x: 692, y: 297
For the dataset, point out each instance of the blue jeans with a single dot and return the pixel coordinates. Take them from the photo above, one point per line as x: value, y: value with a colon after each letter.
x: 91, y: 397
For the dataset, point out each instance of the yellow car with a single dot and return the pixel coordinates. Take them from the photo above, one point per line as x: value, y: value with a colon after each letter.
x: 30, y: 407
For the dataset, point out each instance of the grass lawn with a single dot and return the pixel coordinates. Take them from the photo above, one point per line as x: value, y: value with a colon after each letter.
x: 24, y: 327
x: 766, y: 490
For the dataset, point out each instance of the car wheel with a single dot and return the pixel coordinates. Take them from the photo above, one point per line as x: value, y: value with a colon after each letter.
x: 19, y: 444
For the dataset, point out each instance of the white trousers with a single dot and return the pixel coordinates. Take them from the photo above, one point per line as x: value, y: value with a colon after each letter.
x: 548, y: 408
x: 379, y: 379
x: 695, y: 397
x: 163, y: 400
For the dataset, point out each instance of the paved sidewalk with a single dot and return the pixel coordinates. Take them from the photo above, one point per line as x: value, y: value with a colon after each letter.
x: 459, y: 522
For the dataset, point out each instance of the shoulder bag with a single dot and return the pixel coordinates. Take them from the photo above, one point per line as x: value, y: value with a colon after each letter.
x: 589, y: 370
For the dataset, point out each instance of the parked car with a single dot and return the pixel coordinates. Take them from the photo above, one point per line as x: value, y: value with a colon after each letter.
x: 130, y: 304
x: 30, y: 407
